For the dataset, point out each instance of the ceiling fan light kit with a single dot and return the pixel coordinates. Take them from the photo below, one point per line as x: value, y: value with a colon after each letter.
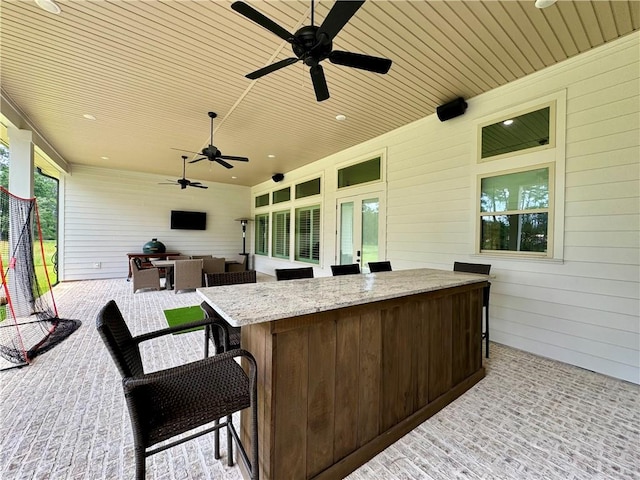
x: 312, y: 44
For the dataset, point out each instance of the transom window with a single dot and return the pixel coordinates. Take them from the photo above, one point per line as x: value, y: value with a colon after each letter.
x: 262, y: 200
x: 282, y: 195
x: 363, y: 172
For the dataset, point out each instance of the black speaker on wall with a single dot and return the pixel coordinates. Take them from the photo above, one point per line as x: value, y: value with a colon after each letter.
x: 450, y: 110
x: 277, y: 177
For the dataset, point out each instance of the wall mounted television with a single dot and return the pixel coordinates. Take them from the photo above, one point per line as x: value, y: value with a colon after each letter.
x: 182, y: 220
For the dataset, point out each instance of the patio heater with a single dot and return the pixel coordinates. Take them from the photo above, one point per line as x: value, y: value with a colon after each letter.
x: 243, y: 222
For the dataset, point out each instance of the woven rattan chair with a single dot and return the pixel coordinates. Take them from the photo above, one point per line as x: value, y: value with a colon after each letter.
x: 350, y: 269
x: 144, y: 277
x: 171, y: 402
x: 483, y: 269
x: 226, y: 337
x: 294, y: 273
x: 187, y: 275
x: 384, y: 266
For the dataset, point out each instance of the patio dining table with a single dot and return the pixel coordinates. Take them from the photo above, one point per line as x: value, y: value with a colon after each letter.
x: 168, y: 266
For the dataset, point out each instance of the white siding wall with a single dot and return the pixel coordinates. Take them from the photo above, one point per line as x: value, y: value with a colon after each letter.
x: 583, y: 310
x: 107, y: 214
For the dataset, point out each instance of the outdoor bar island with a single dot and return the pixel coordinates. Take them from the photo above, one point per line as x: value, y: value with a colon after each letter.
x: 347, y: 365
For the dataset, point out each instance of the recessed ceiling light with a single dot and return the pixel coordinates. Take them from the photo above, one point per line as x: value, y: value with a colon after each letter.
x: 49, y: 5
x: 104, y: 158
x: 544, y: 3
x: 88, y: 116
x: 341, y: 117
x: 233, y: 177
x: 271, y: 155
x: 507, y: 122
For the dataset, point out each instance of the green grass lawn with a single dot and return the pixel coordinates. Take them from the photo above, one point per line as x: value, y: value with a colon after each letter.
x: 49, y: 250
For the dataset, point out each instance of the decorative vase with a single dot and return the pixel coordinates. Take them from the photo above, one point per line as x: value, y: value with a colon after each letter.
x: 154, y: 246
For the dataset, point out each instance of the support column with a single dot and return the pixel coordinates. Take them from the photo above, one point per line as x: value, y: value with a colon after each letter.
x: 21, y: 162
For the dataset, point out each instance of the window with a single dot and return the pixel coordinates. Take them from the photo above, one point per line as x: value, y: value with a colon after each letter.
x: 533, y: 130
x: 262, y: 200
x: 359, y: 173
x: 282, y: 195
x: 280, y: 234
x: 307, y: 189
x: 308, y: 234
x: 515, y: 211
x: 262, y: 234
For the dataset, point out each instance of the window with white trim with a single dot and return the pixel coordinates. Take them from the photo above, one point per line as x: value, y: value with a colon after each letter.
x: 516, y: 211
x: 307, y: 234
x: 262, y: 234
x: 520, y: 180
x: 280, y: 234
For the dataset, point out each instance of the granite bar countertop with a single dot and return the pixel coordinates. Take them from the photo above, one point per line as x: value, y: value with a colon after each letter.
x: 250, y: 303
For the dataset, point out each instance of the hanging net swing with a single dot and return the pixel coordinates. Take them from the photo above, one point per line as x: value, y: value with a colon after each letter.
x: 29, y: 323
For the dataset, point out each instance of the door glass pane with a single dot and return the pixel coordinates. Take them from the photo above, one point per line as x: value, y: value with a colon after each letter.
x: 346, y: 233
x: 370, y: 212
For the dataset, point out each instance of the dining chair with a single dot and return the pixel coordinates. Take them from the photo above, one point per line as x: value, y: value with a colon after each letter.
x: 349, y: 269
x: 187, y: 275
x: 482, y: 269
x: 294, y: 273
x: 143, y: 277
x: 240, y: 265
x: 383, y: 266
x: 213, y: 264
x: 168, y: 403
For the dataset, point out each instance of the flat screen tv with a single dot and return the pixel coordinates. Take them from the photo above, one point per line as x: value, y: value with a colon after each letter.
x: 181, y: 220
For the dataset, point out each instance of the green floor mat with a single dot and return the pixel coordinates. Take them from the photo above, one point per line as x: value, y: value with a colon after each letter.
x: 179, y: 316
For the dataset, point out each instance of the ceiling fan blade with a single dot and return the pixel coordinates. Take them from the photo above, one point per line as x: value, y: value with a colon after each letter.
x: 198, y: 159
x: 257, y: 17
x: 168, y: 183
x: 358, y: 60
x: 319, y: 83
x: 338, y: 16
x: 271, y: 68
x: 223, y: 163
x: 231, y: 157
x: 199, y: 186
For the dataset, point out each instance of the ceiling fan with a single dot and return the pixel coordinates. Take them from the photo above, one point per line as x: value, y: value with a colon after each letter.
x: 212, y: 153
x: 311, y: 44
x: 184, y: 182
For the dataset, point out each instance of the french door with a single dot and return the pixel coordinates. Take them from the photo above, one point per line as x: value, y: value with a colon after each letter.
x: 360, y: 230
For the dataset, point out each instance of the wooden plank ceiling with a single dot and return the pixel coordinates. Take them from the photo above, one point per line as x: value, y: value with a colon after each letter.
x: 149, y: 71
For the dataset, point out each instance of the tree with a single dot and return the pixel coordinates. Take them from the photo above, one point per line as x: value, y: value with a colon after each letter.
x: 45, y: 189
